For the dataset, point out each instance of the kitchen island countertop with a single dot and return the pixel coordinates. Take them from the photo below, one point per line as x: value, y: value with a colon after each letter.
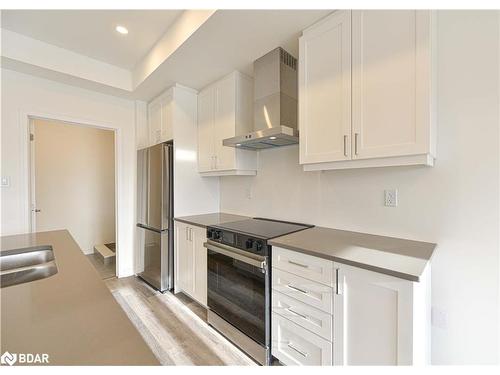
x: 71, y: 316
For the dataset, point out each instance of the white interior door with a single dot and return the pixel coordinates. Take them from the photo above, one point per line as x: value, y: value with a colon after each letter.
x: 73, y: 181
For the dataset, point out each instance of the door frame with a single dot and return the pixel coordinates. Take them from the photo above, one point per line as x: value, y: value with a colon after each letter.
x: 30, y: 147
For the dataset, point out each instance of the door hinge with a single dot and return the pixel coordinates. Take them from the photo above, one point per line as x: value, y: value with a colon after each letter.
x: 32, y: 137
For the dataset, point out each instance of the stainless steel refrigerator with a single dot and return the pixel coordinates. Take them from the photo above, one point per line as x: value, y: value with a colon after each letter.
x: 155, y: 216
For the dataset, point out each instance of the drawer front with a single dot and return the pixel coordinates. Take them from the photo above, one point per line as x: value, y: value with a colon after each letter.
x: 316, y: 321
x: 307, y: 291
x: 310, y: 267
x: 294, y: 345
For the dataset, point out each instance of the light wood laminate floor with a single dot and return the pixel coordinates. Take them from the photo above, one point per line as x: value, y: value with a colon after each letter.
x: 174, y: 326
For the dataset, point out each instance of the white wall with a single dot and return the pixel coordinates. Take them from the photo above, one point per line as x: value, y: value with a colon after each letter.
x: 75, y: 181
x: 24, y: 95
x: 454, y: 204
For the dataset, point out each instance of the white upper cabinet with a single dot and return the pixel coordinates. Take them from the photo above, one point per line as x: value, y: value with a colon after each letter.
x: 160, y: 118
x: 141, y: 125
x: 385, y: 115
x: 325, y: 90
x: 225, y: 110
x: 206, y: 144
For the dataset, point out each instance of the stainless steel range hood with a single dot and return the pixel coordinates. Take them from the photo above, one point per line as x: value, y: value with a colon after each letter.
x: 275, y: 103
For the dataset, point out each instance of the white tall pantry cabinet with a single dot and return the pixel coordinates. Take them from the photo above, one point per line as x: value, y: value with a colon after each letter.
x: 366, y: 95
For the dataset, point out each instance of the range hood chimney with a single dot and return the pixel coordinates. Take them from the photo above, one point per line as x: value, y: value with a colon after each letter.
x: 275, y: 103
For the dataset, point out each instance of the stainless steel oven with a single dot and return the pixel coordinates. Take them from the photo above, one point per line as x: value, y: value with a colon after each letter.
x: 239, y: 281
x: 239, y: 298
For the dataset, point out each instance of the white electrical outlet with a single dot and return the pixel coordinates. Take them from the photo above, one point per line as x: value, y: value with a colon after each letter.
x: 391, y: 197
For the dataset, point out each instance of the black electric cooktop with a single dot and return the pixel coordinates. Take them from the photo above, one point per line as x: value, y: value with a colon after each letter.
x: 262, y: 228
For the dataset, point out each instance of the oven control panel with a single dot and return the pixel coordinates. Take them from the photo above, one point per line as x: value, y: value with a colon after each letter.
x: 238, y: 240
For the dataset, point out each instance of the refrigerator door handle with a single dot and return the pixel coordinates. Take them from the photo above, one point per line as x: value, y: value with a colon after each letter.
x: 146, y: 198
x: 166, y: 187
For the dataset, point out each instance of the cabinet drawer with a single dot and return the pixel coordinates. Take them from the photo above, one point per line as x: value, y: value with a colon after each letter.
x: 307, y: 291
x: 310, y: 267
x: 294, y: 345
x: 316, y: 321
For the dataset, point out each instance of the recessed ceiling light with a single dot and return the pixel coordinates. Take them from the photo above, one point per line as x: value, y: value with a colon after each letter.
x: 272, y: 138
x: 238, y: 144
x: 121, y: 29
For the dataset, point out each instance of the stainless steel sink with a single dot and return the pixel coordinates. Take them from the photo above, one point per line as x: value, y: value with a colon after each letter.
x: 24, y: 265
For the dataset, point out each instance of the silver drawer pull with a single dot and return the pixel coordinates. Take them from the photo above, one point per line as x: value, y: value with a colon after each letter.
x: 298, y: 314
x: 298, y: 264
x: 304, y: 354
x: 297, y: 289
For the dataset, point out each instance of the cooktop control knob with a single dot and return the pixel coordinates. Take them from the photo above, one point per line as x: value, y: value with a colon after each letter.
x: 217, y: 235
x: 249, y: 243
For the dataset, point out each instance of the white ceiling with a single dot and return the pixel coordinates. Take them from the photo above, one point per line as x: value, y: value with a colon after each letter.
x: 229, y: 40
x: 92, y: 32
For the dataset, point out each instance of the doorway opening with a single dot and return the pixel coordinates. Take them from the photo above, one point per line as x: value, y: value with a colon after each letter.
x: 72, y: 186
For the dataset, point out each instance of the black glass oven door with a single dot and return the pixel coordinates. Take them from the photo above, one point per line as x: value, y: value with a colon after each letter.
x: 236, y: 292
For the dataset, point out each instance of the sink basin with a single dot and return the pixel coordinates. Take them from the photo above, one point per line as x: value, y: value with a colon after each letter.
x: 24, y: 265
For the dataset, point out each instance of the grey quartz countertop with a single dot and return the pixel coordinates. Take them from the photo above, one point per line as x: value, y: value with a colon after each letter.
x: 71, y: 316
x: 402, y: 258
x: 206, y: 220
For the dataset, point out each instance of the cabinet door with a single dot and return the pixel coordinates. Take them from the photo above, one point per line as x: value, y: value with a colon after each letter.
x: 206, y: 104
x: 225, y: 122
x: 185, y: 258
x: 166, y: 118
x: 372, y: 318
x: 200, y: 265
x: 325, y: 90
x: 296, y: 346
x: 390, y: 82
x: 154, y: 120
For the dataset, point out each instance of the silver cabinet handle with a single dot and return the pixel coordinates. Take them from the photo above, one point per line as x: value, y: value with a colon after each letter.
x: 298, y: 264
x: 187, y: 235
x: 297, y: 289
x: 289, y: 309
x: 337, y: 288
x: 215, y: 162
x: 356, y: 135
x: 345, y: 145
x: 291, y: 346
x: 191, y: 234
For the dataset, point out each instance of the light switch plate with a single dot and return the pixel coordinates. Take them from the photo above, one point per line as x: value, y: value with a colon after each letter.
x: 5, y: 182
x: 391, y: 197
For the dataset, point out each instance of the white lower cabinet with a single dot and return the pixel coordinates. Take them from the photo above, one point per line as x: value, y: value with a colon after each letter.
x: 361, y: 318
x: 315, y: 320
x: 191, y: 261
x: 294, y: 345
x: 307, y: 291
x: 380, y: 319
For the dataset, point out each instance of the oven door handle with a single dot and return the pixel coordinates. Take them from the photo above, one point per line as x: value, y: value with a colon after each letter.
x: 235, y: 254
